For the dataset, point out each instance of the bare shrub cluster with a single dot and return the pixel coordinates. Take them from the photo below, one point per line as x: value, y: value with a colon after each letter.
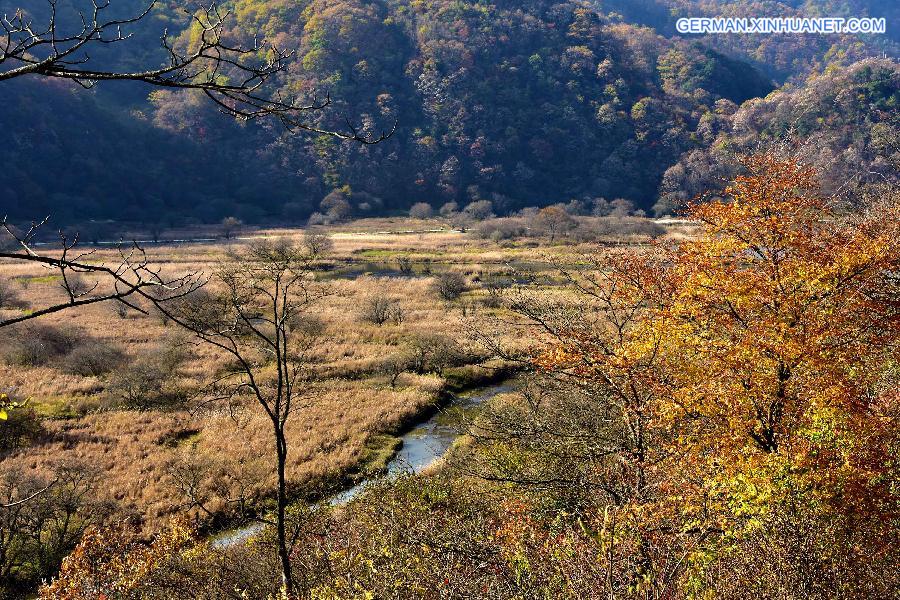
x: 66, y: 348
x: 36, y: 345
x: 449, y: 285
x: 434, y: 352
x: 380, y: 309
x: 94, y: 359
x: 604, y: 228
x: 499, y: 230
x: 149, y: 382
x: 9, y: 298
x: 421, y: 210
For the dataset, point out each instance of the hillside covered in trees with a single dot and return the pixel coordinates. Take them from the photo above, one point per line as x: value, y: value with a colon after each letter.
x: 518, y: 103
x: 847, y: 118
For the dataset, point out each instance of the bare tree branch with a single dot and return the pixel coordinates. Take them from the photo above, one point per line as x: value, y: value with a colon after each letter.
x: 30, y: 497
x: 129, y: 278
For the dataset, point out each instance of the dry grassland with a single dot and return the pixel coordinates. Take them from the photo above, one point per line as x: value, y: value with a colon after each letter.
x: 349, y: 413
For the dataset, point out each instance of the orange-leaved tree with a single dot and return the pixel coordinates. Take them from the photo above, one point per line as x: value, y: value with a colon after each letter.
x: 781, y: 326
x: 759, y: 359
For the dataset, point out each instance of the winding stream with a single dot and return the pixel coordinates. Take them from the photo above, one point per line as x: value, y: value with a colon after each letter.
x: 423, y: 446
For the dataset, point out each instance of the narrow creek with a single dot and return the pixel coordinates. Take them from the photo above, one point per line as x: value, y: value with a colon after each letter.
x: 423, y: 446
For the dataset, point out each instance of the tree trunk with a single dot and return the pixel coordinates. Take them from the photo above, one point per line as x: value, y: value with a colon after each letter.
x: 287, y: 580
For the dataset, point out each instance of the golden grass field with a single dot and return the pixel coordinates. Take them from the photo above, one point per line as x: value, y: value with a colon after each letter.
x: 351, y: 410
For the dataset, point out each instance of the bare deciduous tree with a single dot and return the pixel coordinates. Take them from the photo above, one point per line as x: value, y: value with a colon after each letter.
x: 552, y: 221
x: 317, y: 242
x: 256, y: 314
x: 395, y: 365
x: 380, y: 309
x: 229, y: 226
x: 421, y: 210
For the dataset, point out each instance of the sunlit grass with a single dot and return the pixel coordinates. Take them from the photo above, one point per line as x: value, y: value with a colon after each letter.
x: 351, y: 414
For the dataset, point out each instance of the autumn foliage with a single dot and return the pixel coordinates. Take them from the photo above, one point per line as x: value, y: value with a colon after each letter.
x: 755, y: 364
x: 710, y: 417
x: 114, y: 563
x: 780, y: 332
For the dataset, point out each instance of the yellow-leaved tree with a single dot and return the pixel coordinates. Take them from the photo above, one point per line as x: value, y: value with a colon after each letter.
x: 758, y: 361
x: 780, y: 337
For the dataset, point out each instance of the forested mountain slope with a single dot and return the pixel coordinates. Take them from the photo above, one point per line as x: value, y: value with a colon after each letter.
x: 520, y: 103
x: 845, y: 123
x: 792, y: 57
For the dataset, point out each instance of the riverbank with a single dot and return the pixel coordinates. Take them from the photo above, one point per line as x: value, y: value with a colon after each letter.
x: 418, y: 446
x: 457, y: 381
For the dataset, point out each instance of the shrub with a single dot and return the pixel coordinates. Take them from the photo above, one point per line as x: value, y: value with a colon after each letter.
x: 380, y: 309
x: 552, y: 221
x: 449, y: 285
x: 336, y: 204
x: 94, y: 359
x: 395, y: 365
x: 576, y: 208
x: 317, y: 219
x: 493, y: 297
x: 618, y: 227
x: 405, y: 265
x: 421, y: 210
x: 307, y: 325
x: 621, y: 207
x: 448, y: 209
x: 500, y: 229
x: 229, y: 226
x: 479, y: 210
x: 8, y: 296
x: 106, y: 561
x: 461, y: 221
x: 317, y: 243
x: 36, y: 345
x: 21, y: 428
x: 149, y: 381
x: 432, y: 353
x: 601, y: 207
